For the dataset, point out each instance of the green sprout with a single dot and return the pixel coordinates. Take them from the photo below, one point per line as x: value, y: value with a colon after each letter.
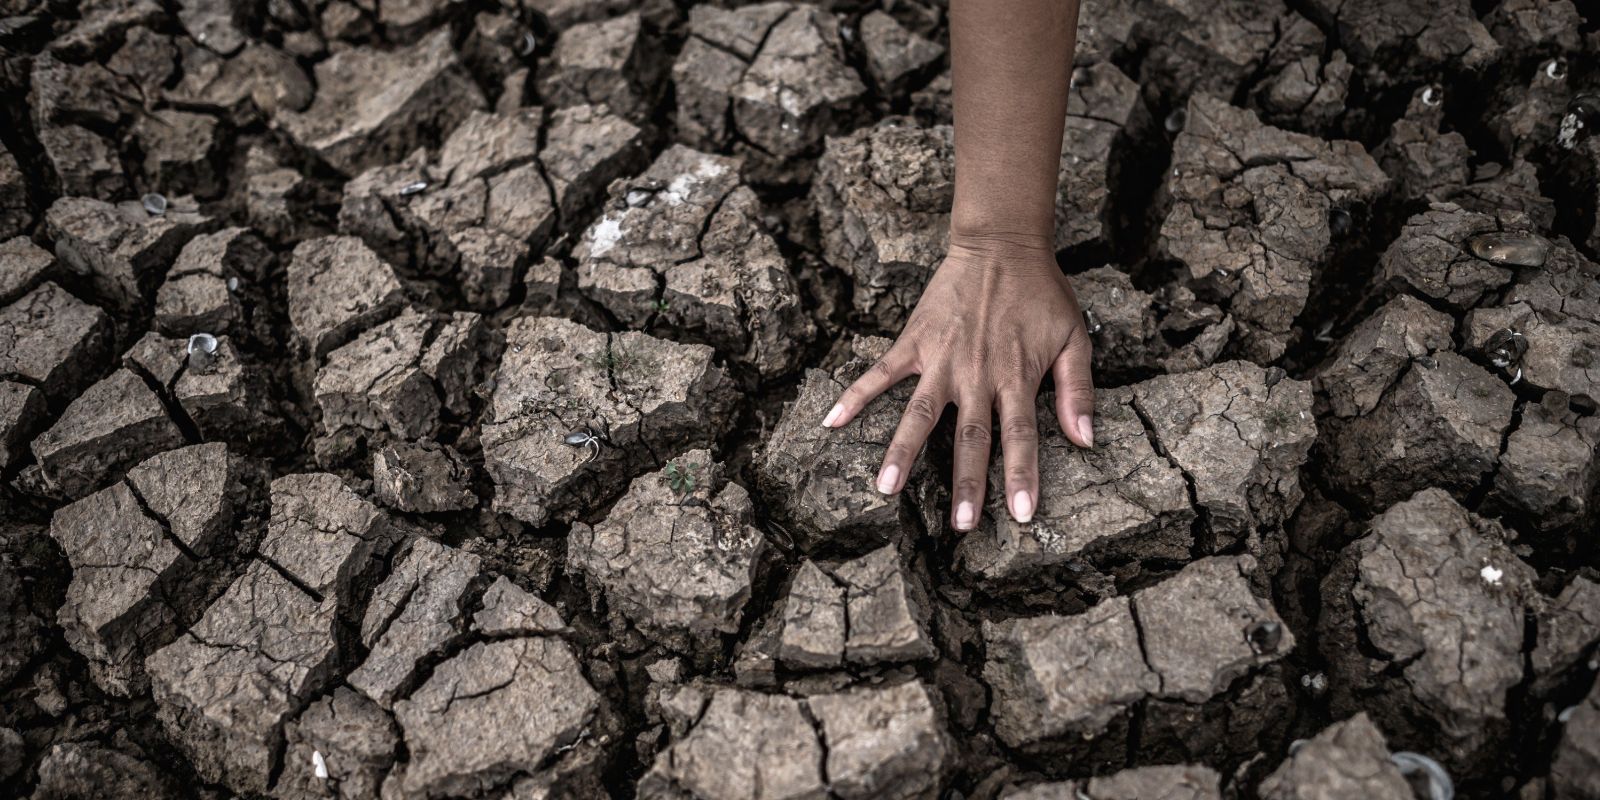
x: 682, y: 478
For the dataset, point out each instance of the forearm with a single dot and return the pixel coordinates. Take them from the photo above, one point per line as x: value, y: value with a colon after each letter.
x: 1012, y: 66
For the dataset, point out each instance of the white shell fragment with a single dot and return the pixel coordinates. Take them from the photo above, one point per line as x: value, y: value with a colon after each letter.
x: 318, y: 765
x: 1440, y: 787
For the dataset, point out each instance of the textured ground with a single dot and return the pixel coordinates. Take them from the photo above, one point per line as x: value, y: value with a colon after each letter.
x: 418, y: 399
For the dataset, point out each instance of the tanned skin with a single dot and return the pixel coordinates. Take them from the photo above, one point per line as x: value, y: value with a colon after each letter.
x: 998, y: 314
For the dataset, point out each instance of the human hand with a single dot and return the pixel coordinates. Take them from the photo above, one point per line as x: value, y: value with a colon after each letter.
x: 996, y: 316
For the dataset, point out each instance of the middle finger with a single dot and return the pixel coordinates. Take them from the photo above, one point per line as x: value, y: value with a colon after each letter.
x: 969, y: 476
x: 921, y: 414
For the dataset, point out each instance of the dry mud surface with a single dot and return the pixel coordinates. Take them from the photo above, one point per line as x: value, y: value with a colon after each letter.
x: 421, y: 399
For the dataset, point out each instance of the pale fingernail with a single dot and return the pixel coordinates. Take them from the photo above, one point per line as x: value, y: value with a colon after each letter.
x: 888, y: 479
x: 964, y: 516
x: 1086, y: 429
x: 1022, y: 506
x: 834, y: 415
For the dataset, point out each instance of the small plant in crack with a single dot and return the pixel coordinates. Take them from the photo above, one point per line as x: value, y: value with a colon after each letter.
x: 682, y: 478
x: 661, y: 305
x: 1277, y: 418
x: 622, y: 363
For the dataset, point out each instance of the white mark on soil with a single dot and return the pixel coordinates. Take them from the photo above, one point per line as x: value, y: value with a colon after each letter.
x: 606, y: 235
x: 678, y: 190
x: 1491, y: 575
x: 319, y: 765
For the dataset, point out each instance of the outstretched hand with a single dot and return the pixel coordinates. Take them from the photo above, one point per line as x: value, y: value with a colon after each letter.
x: 996, y: 316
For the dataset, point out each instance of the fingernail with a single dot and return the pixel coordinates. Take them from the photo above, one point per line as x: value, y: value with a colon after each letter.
x: 1022, y: 506
x: 1086, y: 429
x: 834, y: 415
x: 964, y: 516
x: 889, y: 479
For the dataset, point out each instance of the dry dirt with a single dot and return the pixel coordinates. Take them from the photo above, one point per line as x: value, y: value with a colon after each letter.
x: 421, y: 399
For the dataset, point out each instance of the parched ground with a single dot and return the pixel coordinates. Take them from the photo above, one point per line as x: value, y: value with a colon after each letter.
x: 421, y: 399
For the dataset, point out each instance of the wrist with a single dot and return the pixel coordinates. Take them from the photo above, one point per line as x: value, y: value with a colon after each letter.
x: 995, y: 226
x: 1003, y: 252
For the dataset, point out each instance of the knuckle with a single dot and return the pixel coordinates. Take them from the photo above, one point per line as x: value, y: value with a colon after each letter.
x: 968, y: 487
x: 921, y: 408
x: 1019, y: 476
x: 1079, y: 388
x: 881, y: 369
x: 973, y: 434
x: 899, y: 453
x: 1020, y: 430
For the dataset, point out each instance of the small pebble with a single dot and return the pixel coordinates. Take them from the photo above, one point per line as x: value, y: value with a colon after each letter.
x: 1091, y: 322
x: 1518, y: 250
x: 1566, y: 714
x: 1491, y: 574
x: 154, y: 204
x: 638, y: 197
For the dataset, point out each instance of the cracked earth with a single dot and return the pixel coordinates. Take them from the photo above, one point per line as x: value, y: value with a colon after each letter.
x: 422, y: 399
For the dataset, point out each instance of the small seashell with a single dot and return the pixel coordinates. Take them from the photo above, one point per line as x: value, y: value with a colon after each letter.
x: 1275, y: 374
x: 638, y: 197
x: 1518, y: 250
x: 578, y: 438
x: 202, y: 351
x: 1294, y: 746
x: 527, y: 44
x: 1566, y: 714
x: 202, y: 343
x: 1265, y: 636
x: 414, y: 187
x: 233, y: 283
x: 1411, y: 764
x: 1338, y: 221
x: 1555, y: 69
x: 1505, y: 348
x: 154, y: 204
x: 1176, y: 120
x: 1432, y: 96
x: 319, y: 765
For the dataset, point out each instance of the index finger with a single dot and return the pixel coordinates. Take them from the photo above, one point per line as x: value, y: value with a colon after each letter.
x: 884, y: 373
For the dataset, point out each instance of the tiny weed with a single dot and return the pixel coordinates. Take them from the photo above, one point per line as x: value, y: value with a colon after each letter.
x: 1277, y: 418
x: 682, y: 478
